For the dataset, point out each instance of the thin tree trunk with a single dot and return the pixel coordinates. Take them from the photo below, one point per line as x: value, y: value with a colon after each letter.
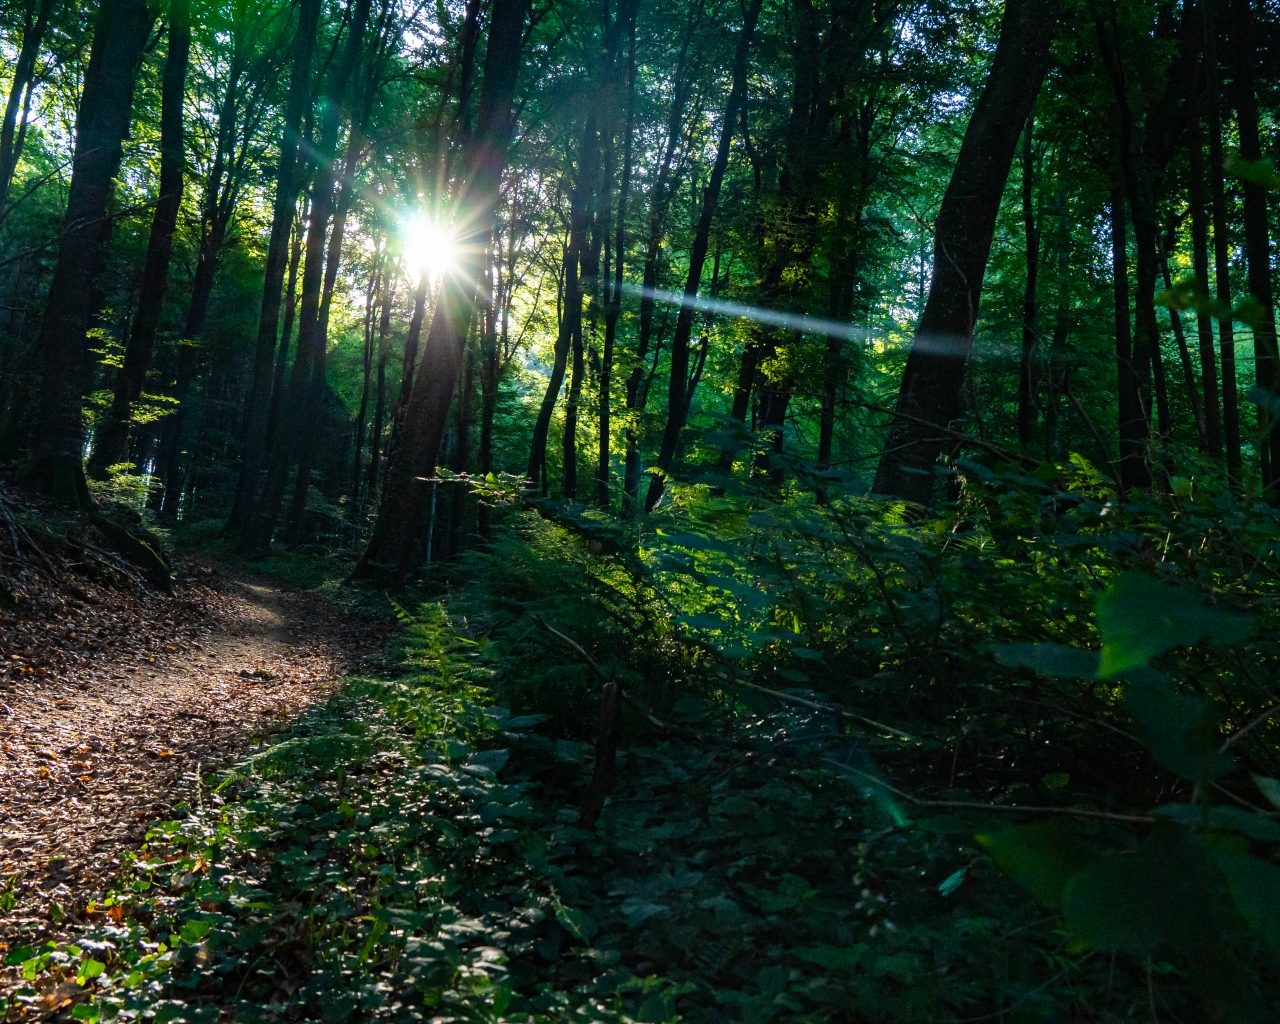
x: 1257, y: 247
x: 678, y: 392
x: 613, y: 299
x: 258, y: 401
x: 1210, y: 403
x: 111, y: 437
x: 310, y: 346
x: 1184, y: 358
x: 929, y: 397
x: 1026, y: 365
x: 400, y: 512
x: 317, y: 389
x: 380, y: 406
x: 39, y: 13
x: 1221, y: 251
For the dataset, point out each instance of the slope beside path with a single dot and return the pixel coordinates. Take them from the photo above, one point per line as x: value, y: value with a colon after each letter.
x: 114, y: 706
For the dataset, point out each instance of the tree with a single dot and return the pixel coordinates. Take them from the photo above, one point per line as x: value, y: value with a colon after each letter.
x: 928, y: 399
x: 102, y: 121
x: 400, y: 511
x: 112, y: 433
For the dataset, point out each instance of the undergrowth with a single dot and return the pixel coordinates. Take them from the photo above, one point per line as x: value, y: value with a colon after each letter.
x: 1017, y: 764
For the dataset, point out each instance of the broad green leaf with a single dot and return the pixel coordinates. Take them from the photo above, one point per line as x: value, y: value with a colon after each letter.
x: 1226, y: 819
x: 1254, y: 886
x: 1042, y: 858
x: 1177, y: 728
x: 1141, y: 618
x: 1270, y: 788
x: 1161, y: 895
x: 1056, y: 660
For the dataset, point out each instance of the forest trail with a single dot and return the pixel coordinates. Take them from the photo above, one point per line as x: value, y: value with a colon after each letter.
x: 103, y: 727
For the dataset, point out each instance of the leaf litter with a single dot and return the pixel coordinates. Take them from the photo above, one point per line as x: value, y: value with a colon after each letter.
x: 116, y: 701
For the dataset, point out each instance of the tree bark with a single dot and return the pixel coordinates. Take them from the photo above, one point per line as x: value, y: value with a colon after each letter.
x: 257, y: 404
x: 18, y: 106
x: 400, y: 513
x: 102, y: 122
x: 1026, y: 365
x: 929, y: 396
x: 678, y: 391
x: 1257, y: 248
x: 112, y: 435
x: 1221, y: 251
x: 311, y: 333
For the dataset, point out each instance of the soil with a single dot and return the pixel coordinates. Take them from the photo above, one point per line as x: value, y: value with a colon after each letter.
x: 116, y: 704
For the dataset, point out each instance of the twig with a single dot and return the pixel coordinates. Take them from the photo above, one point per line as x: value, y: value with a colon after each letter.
x: 1244, y: 730
x: 974, y: 805
x: 829, y: 709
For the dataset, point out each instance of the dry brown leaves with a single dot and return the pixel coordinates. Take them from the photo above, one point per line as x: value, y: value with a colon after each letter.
x: 115, y: 701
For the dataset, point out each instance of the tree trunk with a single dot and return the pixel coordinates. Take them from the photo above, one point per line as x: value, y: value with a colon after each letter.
x: 39, y: 14
x: 1132, y: 419
x: 102, y: 121
x: 257, y: 404
x: 111, y: 437
x: 400, y: 512
x: 1257, y: 248
x: 637, y: 390
x: 317, y: 387
x: 311, y: 333
x: 380, y: 405
x: 1199, y: 204
x: 929, y: 397
x: 1026, y: 365
x: 678, y: 392
x: 1221, y: 250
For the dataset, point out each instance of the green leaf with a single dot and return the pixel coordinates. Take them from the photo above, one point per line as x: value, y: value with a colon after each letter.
x: 1055, y: 660
x: 1177, y: 728
x: 1254, y: 886
x: 1225, y: 819
x: 831, y: 958
x: 89, y: 970
x: 1140, y: 618
x: 1270, y: 788
x: 1042, y: 858
x: 1161, y: 895
x: 194, y: 931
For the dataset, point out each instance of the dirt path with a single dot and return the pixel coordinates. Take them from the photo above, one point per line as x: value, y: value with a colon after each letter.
x: 99, y: 734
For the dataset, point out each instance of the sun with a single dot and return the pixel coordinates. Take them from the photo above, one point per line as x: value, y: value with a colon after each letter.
x: 429, y: 247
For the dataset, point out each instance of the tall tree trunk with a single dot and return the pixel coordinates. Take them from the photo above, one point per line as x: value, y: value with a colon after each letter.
x: 571, y: 308
x: 317, y: 388
x: 637, y: 389
x: 1221, y: 249
x: 931, y: 386
x: 102, y: 121
x: 18, y: 107
x: 280, y: 360
x: 614, y: 288
x: 112, y: 435
x: 257, y: 404
x: 1026, y: 365
x: 1184, y: 356
x: 1257, y: 247
x: 366, y: 384
x: 380, y: 405
x: 311, y: 333
x: 678, y: 391
x: 400, y: 512
x: 1199, y: 204
x: 1132, y: 424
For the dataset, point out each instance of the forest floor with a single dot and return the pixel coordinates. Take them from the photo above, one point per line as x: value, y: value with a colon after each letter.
x: 115, y: 703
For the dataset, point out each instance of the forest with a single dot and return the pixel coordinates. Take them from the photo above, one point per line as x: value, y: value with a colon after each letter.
x: 593, y: 510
